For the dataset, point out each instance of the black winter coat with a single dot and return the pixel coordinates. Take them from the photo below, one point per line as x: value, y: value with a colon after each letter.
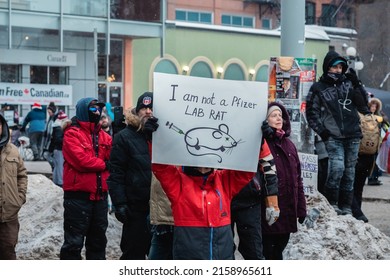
x: 332, y: 106
x: 130, y: 169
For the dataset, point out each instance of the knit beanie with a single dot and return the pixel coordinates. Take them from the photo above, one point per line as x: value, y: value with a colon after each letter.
x: 52, y: 107
x: 144, y: 101
x: 273, y: 108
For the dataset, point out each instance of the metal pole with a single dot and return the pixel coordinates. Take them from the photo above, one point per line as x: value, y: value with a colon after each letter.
x: 293, y: 28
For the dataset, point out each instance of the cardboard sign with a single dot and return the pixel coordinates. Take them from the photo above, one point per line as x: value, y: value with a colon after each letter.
x: 208, y: 122
x: 309, y: 172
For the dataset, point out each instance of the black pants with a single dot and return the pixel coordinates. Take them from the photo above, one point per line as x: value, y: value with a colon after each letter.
x: 363, y: 168
x: 8, y: 239
x: 84, y: 220
x: 274, y: 244
x: 248, y: 223
x: 136, y: 237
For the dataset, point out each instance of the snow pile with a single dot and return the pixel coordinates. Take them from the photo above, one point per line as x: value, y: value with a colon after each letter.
x: 332, y: 237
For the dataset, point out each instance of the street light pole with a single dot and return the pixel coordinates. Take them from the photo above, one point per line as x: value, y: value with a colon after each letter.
x: 293, y: 28
x: 354, y: 61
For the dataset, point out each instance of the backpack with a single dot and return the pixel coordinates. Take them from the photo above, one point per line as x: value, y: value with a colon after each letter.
x: 369, y: 144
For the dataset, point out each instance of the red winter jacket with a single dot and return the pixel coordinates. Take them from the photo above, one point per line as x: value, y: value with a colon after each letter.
x: 82, y: 168
x: 199, y: 201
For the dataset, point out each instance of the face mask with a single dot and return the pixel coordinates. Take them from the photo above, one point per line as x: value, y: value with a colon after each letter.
x: 93, y: 117
x: 335, y: 76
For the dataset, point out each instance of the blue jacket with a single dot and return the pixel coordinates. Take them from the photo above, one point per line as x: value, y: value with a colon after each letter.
x: 37, y: 119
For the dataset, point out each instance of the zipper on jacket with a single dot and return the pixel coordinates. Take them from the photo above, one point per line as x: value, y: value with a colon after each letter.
x: 220, y: 199
x: 203, y: 194
x: 203, y: 201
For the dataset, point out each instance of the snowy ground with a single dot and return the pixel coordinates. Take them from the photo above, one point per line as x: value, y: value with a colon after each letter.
x: 333, y: 237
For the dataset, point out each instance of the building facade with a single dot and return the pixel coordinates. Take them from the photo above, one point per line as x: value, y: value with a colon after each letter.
x: 110, y: 49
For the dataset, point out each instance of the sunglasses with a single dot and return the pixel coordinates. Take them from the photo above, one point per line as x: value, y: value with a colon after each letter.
x: 93, y: 109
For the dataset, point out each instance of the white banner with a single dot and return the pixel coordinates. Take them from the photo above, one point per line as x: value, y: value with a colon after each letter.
x: 208, y: 122
x: 28, y: 94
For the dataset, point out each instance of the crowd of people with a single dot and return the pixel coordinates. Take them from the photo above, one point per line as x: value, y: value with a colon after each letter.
x: 188, y: 212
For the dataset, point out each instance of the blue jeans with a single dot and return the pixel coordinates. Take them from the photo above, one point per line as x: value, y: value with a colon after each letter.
x: 36, y: 143
x: 343, y: 154
x: 162, y: 243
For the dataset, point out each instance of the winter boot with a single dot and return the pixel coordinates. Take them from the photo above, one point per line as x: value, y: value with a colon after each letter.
x: 345, y: 202
x: 333, y: 197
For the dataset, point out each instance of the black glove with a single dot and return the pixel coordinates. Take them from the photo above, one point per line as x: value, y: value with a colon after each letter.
x: 122, y: 213
x: 23, y: 129
x: 351, y: 75
x: 150, y: 126
x: 301, y: 219
x: 325, y: 135
x: 268, y: 132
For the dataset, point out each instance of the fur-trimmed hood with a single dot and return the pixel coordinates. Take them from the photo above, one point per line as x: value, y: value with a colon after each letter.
x: 378, y: 104
x: 132, y: 119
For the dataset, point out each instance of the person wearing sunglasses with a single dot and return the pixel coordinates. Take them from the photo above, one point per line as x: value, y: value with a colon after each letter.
x: 86, y: 149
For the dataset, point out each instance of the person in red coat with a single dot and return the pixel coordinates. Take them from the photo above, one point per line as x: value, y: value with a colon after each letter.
x: 291, y: 197
x: 86, y: 149
x: 200, y: 200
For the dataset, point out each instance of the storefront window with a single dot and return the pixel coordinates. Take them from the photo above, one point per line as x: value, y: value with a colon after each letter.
x: 115, y: 64
x: 38, y: 74
x: 48, y: 75
x: 10, y: 73
x: 114, y: 71
x: 102, y: 93
x: 115, y: 96
x: 58, y: 75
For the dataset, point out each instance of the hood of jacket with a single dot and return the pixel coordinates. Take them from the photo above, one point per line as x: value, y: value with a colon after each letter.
x: 330, y: 58
x: 378, y: 104
x: 132, y: 119
x: 82, y: 108
x: 4, y: 138
x: 286, y: 118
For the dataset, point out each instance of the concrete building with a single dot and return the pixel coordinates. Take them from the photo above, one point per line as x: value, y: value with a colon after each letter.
x: 65, y: 50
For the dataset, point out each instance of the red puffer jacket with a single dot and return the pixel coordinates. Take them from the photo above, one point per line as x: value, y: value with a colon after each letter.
x: 201, y: 201
x: 82, y: 168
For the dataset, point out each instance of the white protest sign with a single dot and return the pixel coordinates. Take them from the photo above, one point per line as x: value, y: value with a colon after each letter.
x: 309, y: 172
x: 208, y: 122
x: 9, y: 117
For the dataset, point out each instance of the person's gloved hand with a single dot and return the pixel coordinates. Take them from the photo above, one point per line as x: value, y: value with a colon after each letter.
x: 272, y: 211
x: 325, y: 135
x: 122, y: 213
x: 301, y: 220
x: 150, y: 126
x: 352, y: 76
x: 268, y: 132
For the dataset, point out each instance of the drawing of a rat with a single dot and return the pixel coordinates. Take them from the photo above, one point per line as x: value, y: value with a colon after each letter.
x: 201, y: 141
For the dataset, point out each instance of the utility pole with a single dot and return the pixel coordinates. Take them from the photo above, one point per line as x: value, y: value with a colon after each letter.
x: 293, y: 28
